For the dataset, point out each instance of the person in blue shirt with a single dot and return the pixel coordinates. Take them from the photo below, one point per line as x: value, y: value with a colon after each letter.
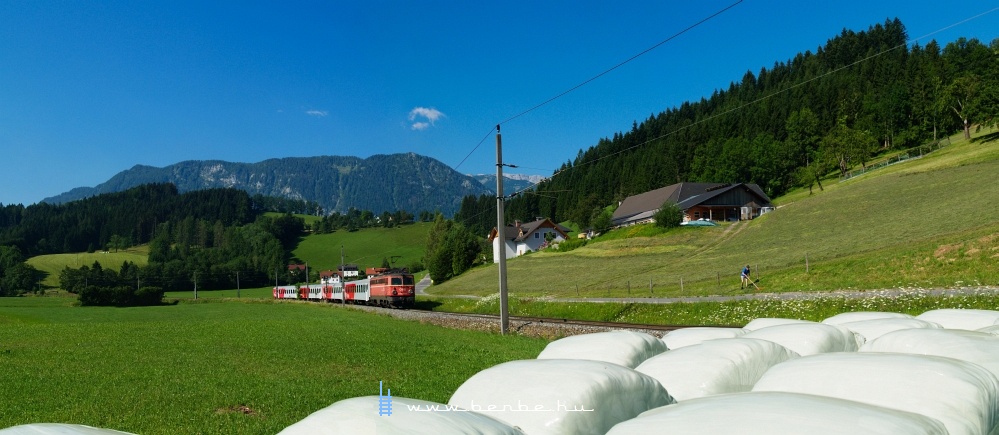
x: 745, y: 277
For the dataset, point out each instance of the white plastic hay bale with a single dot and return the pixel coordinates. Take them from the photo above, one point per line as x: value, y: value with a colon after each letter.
x: 858, y: 316
x: 728, y: 365
x: 810, y: 338
x: 872, y: 329
x: 972, y: 346
x: 58, y: 429
x: 545, y: 396
x: 769, y: 413
x: 994, y: 329
x: 956, y: 318
x: 961, y: 395
x: 626, y: 348
x: 765, y: 322
x: 690, y: 336
x: 360, y: 415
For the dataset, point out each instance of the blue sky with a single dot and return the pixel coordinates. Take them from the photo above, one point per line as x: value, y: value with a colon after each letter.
x: 88, y: 89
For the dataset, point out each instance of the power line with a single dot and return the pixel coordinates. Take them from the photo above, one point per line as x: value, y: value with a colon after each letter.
x: 605, y: 72
x: 763, y: 98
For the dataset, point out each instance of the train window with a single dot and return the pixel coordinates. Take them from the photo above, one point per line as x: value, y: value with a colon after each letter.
x: 396, y: 280
x: 407, y: 280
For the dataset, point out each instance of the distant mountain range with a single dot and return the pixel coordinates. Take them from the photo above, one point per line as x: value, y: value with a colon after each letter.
x: 409, y: 181
x: 513, y: 182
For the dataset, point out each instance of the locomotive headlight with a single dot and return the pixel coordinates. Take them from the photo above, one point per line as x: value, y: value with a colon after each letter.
x: 395, y: 292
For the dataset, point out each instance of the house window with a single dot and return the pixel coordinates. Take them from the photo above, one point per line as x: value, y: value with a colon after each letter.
x: 697, y: 215
x: 537, y: 235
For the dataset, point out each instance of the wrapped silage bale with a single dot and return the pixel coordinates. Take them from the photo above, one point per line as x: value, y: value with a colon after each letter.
x: 766, y: 322
x: 810, y: 338
x: 972, y: 346
x: 961, y: 395
x: 857, y: 316
x: 362, y: 416
x: 872, y: 329
x: 768, y: 413
x: 550, y: 396
x: 695, y: 335
x: 727, y: 365
x: 58, y: 429
x: 626, y: 348
x: 957, y: 318
x: 994, y: 329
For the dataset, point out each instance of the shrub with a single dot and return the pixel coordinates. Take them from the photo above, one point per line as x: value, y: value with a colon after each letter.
x: 669, y: 215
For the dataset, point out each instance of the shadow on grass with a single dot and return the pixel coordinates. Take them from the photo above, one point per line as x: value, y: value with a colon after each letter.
x: 426, y: 305
x: 986, y: 138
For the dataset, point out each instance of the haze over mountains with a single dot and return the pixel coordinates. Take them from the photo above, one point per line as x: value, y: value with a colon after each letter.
x: 408, y: 181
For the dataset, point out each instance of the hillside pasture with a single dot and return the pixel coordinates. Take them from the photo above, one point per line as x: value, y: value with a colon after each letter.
x: 54, y: 263
x: 923, y: 223
x: 366, y: 247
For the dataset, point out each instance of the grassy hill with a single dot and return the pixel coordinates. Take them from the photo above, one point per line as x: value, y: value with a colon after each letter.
x: 928, y: 222
x: 55, y: 263
x: 365, y: 248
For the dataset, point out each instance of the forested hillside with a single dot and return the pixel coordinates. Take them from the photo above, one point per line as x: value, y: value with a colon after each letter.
x: 860, y: 94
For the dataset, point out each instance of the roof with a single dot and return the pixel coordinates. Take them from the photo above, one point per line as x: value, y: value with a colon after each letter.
x: 720, y: 192
x: 653, y: 199
x: 685, y: 195
x: 521, y: 232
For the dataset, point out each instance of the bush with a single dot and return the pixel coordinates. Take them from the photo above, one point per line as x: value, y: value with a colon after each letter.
x: 669, y: 215
x: 571, y: 244
x: 120, y: 296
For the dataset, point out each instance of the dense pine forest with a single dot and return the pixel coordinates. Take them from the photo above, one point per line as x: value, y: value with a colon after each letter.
x: 861, y: 94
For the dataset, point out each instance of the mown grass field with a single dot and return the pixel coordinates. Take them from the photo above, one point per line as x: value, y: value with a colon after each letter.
x: 55, y: 263
x: 365, y: 248
x: 727, y: 313
x: 929, y: 222
x: 222, y: 367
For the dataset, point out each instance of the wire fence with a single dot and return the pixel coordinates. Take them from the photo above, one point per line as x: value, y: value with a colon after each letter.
x: 909, y: 154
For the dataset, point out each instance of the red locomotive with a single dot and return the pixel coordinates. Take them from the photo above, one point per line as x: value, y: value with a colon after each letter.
x: 390, y: 289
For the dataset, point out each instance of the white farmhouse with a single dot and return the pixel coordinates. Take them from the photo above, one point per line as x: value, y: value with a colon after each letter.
x: 523, y: 237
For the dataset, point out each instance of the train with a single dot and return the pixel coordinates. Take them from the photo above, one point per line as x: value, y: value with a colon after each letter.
x: 390, y: 289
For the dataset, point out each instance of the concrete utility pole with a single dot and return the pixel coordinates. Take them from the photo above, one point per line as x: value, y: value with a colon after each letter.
x: 501, y: 233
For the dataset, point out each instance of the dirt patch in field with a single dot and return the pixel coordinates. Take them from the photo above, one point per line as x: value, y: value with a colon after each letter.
x: 236, y: 409
x: 943, y: 250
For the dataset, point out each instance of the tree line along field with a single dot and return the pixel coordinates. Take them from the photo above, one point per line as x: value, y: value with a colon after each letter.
x: 923, y: 223
x: 225, y: 367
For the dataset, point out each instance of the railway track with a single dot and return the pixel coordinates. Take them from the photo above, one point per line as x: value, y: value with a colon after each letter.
x: 572, y: 322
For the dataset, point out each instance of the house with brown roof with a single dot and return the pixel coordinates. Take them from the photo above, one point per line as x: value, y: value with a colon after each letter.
x: 708, y: 201
x: 519, y: 238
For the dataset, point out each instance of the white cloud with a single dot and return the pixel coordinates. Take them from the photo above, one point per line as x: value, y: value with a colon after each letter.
x: 427, y: 117
x: 317, y: 113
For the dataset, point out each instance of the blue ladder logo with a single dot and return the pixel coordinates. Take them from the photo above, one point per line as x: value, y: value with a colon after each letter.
x: 384, y: 401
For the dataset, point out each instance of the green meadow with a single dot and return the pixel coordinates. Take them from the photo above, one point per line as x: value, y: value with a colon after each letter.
x: 222, y: 367
x: 402, y: 246
x: 924, y: 223
x: 52, y: 264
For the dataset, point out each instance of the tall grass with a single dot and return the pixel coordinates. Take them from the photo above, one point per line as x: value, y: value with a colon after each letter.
x: 252, y: 367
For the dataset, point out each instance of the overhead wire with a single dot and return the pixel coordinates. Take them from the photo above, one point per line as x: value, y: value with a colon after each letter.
x: 591, y: 79
x: 763, y: 98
